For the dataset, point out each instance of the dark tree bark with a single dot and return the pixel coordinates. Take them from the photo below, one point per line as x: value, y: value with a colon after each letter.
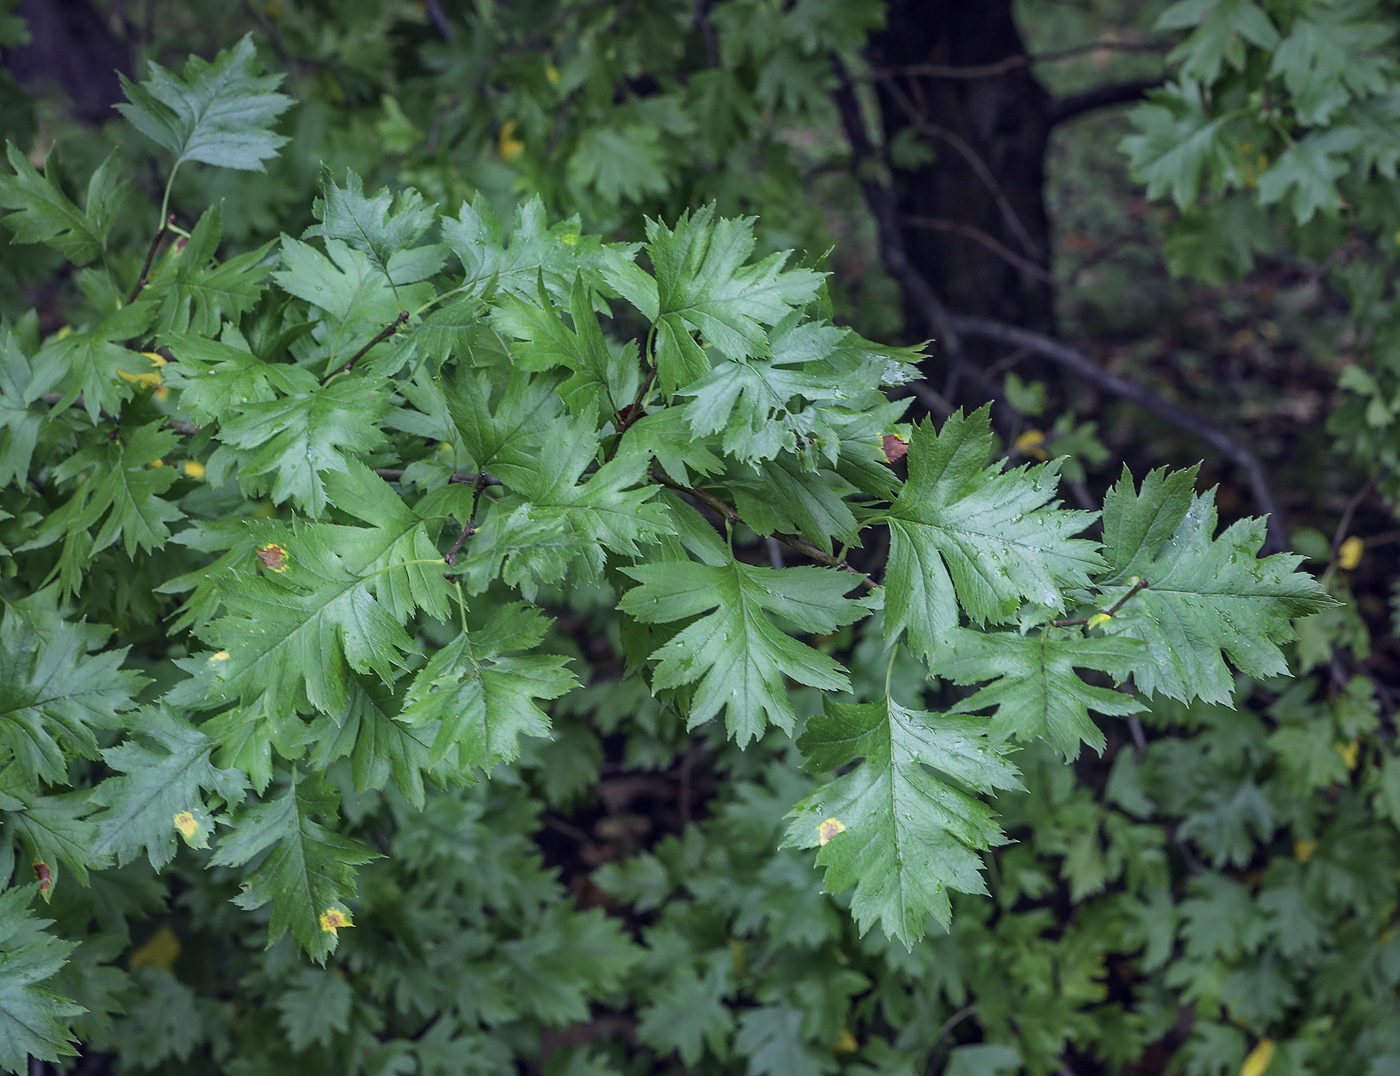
x: 973, y: 221
x: 73, y: 49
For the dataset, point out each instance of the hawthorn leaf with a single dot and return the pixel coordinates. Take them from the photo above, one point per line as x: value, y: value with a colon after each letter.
x: 510, y: 430
x: 90, y: 360
x: 1307, y: 172
x: 604, y: 378
x: 666, y: 436
x: 292, y: 633
x: 53, y: 694
x: 288, y: 444
x: 219, y: 112
x: 557, y: 524
x: 623, y: 163
x: 22, y: 382
x: 771, y: 1037
x: 1177, y: 141
x: 214, y: 377
x: 308, y: 870
x: 533, y: 251
x: 739, y: 656
x: 153, y: 786
x: 196, y: 295
x: 380, y: 747
x: 315, y: 1007
x: 1205, y: 598
x: 905, y: 826
x: 703, y: 285
x: 1220, y: 29
x: 395, y: 553
x: 52, y: 828
x: 383, y: 226
x: 121, y: 483
x: 1034, y: 688
x: 42, y: 213
x: 753, y: 401
x: 483, y: 694
x: 356, y: 301
x: 962, y: 533
x: 34, y: 1019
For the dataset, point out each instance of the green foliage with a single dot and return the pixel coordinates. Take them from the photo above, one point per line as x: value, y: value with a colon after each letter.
x: 431, y: 527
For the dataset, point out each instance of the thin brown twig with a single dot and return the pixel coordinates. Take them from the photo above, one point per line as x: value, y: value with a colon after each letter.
x: 1081, y: 365
x: 1012, y: 63
x: 143, y: 279
x: 383, y: 334
x: 1140, y: 585
x: 467, y: 478
x: 1001, y: 250
x: 974, y: 160
x: 1352, y: 505
x: 883, y: 208
x: 792, y: 541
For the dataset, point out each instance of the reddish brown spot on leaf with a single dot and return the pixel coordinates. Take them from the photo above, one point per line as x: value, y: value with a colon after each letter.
x: 896, y: 448
x: 274, y: 557
x: 45, y: 876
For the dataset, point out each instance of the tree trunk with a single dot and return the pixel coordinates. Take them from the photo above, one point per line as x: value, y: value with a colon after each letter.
x: 973, y: 220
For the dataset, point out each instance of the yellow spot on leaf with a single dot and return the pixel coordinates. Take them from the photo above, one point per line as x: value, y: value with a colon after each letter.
x: 332, y: 919
x: 63, y: 333
x: 1258, y: 1059
x: 222, y: 655
x: 1349, y: 553
x: 194, y: 827
x: 845, y: 1043
x: 274, y: 557
x: 1032, y: 443
x: 160, y: 950
x: 1099, y: 618
x: 830, y: 828
x: 194, y: 469
x: 507, y: 144
x: 157, y: 463
x: 551, y: 74
x: 1303, y: 850
x: 569, y: 239
x: 1349, y: 752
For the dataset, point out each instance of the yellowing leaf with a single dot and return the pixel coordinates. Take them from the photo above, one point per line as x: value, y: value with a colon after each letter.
x: 845, y: 1043
x: 194, y: 469
x: 1258, y: 1059
x: 1303, y: 850
x: 1349, y: 553
x: 160, y: 950
x: 1099, y: 618
x: 1349, y: 752
x: 507, y: 144
x: 1032, y: 443
x: 145, y: 378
